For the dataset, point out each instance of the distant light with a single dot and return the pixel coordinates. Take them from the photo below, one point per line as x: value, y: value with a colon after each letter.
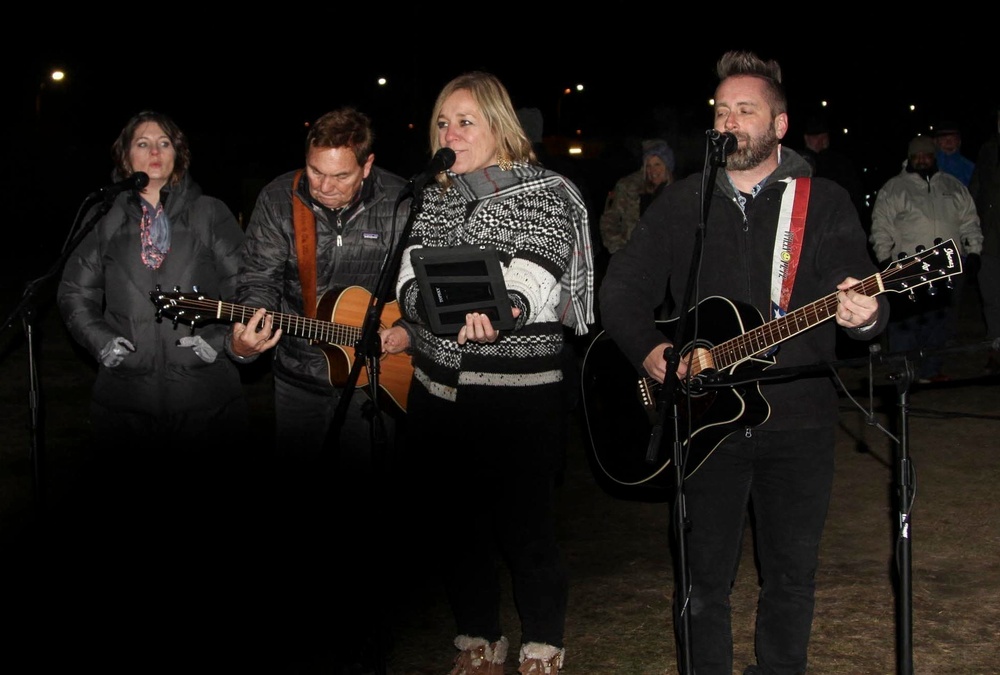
x: 711, y: 102
x: 822, y: 103
x: 567, y: 90
x: 912, y: 107
x: 381, y: 81
x: 58, y: 76
x: 845, y: 131
x: 579, y: 87
x: 575, y: 150
x: 579, y: 132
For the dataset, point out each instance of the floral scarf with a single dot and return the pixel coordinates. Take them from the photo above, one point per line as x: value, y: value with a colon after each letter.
x: 155, y: 229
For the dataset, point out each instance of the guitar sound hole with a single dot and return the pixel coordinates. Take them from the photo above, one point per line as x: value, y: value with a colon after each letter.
x: 695, y: 386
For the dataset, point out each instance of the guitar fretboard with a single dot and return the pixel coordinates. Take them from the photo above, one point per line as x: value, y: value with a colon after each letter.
x: 764, y: 337
x: 299, y: 326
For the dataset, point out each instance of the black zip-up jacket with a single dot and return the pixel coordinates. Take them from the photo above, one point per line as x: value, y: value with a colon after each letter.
x: 737, y: 264
x: 269, y: 267
x: 105, y: 293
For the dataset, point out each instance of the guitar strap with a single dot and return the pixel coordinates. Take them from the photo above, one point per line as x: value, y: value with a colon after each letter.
x: 788, y: 243
x: 305, y: 245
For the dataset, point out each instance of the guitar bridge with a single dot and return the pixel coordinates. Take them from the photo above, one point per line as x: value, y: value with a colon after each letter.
x: 646, y: 394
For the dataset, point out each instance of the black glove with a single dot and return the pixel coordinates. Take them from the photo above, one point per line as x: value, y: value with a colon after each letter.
x: 972, y: 264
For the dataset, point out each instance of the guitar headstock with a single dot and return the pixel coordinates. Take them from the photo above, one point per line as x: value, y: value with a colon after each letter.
x: 923, y: 268
x: 180, y: 307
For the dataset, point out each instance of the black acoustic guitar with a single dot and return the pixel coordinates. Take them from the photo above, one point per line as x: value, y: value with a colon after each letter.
x: 621, y: 406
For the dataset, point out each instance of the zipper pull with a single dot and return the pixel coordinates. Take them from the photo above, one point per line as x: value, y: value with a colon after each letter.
x: 748, y: 433
x: 340, y: 241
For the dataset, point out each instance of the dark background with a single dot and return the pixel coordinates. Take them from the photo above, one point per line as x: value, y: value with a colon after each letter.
x: 244, y: 98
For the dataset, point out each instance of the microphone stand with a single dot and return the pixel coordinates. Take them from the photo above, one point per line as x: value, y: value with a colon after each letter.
x: 368, y: 348
x: 368, y: 351
x: 369, y: 345
x: 715, y: 156
x: 904, y: 497
x: 26, y: 309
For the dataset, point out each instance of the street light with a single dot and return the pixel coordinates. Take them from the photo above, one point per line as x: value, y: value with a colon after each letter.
x: 56, y: 76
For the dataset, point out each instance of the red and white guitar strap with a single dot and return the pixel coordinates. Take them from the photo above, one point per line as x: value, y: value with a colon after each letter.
x: 788, y: 243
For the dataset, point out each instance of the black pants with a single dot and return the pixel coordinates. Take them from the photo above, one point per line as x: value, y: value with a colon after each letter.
x: 487, y: 467
x: 787, y: 478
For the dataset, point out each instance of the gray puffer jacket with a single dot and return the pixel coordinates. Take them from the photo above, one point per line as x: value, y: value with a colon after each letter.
x: 105, y: 293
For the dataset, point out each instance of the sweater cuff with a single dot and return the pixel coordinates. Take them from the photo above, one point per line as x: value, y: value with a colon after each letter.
x: 410, y: 335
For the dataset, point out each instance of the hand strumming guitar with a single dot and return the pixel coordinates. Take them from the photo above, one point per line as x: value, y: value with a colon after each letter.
x: 655, y: 363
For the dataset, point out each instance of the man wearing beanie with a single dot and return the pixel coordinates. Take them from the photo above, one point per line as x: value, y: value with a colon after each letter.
x: 920, y: 207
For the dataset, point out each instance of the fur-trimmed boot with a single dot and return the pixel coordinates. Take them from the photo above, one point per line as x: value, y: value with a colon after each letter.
x: 479, y: 657
x: 538, y: 658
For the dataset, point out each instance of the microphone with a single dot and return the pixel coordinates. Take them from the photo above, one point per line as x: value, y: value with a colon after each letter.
x: 442, y: 160
x: 136, y: 181
x: 726, y: 140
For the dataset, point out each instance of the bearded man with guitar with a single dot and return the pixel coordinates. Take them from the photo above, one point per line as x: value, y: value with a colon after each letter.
x: 776, y: 454
x: 315, y: 247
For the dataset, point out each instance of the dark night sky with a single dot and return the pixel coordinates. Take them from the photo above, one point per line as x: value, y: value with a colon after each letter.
x: 243, y: 99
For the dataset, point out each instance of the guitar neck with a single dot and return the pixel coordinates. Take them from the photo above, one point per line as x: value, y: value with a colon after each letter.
x: 291, y: 324
x: 762, y: 338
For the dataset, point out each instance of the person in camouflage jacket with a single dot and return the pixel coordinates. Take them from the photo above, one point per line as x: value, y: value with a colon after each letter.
x: 634, y: 192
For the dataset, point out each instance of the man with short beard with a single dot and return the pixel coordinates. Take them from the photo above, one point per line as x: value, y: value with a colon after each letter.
x: 916, y: 208
x: 774, y: 447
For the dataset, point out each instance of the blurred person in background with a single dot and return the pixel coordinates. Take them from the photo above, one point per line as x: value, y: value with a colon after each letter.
x: 634, y: 192
x: 948, y: 141
x: 632, y: 195
x: 916, y: 209
x: 829, y: 162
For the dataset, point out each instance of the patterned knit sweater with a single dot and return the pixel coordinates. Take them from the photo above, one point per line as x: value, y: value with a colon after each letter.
x: 533, y: 227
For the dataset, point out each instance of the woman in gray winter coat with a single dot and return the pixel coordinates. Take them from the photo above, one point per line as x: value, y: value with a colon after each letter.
x: 165, y: 395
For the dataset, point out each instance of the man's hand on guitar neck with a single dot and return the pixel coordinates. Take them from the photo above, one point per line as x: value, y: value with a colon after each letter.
x: 256, y: 336
x: 854, y: 310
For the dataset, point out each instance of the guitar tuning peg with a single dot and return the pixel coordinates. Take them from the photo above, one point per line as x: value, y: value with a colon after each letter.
x: 921, y: 248
x: 195, y: 289
x: 177, y: 289
x: 911, y: 296
x: 932, y: 290
x: 938, y: 240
